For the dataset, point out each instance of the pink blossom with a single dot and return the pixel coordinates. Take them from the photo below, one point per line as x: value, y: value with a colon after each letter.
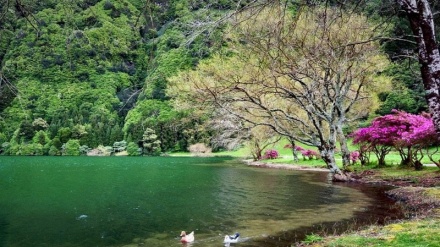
x: 271, y: 154
x: 400, y: 127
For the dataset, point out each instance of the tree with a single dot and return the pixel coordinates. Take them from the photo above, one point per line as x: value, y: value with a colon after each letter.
x: 71, y: 148
x: 151, y: 146
x: 420, y: 17
x: 228, y: 131
x: 406, y: 132
x: 260, y: 138
x: 304, y: 76
x: 133, y: 149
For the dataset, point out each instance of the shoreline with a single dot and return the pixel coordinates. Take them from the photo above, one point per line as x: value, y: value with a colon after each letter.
x: 283, y: 166
x: 417, y: 200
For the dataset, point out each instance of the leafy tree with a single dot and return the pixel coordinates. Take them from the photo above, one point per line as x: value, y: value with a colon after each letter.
x: 408, y: 94
x: 3, y: 138
x: 150, y: 144
x: 260, y: 138
x: 71, y: 148
x: 41, y: 138
x: 133, y: 149
x: 53, y: 151
x: 64, y: 134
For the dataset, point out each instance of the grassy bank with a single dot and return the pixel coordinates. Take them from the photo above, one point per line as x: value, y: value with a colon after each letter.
x: 421, y: 229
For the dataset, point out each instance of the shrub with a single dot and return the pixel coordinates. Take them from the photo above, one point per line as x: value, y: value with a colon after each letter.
x: 84, y: 149
x: 133, y: 149
x: 54, y: 151
x: 310, y: 154
x: 354, y: 157
x: 271, y: 154
x: 71, y: 148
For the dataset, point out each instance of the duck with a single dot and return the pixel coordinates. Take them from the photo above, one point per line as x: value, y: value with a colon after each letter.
x: 187, y: 238
x: 232, y: 238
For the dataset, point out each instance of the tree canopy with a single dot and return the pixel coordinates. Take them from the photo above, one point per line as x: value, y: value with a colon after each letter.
x: 305, y: 75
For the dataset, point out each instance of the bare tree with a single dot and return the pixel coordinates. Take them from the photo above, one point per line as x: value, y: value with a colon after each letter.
x: 305, y: 78
x: 229, y: 131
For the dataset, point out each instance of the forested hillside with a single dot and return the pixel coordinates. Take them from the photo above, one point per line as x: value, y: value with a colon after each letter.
x: 95, y: 71
x: 77, y: 74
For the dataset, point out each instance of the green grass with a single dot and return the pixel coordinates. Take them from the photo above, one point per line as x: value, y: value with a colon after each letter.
x: 285, y: 156
x: 407, y: 233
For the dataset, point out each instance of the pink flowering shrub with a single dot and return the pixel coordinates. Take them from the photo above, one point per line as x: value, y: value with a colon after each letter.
x: 354, y: 157
x: 310, y: 154
x: 297, y: 148
x: 271, y: 154
x: 306, y: 153
x: 406, y: 132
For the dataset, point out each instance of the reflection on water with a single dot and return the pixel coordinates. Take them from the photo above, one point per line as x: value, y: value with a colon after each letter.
x: 135, y: 201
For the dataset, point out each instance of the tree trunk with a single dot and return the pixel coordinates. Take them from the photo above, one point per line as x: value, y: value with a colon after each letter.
x: 420, y: 17
x: 345, y: 153
x: 328, y: 155
x: 294, y: 152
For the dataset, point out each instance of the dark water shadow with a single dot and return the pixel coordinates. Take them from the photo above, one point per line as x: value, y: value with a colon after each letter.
x: 3, y: 230
x: 381, y: 212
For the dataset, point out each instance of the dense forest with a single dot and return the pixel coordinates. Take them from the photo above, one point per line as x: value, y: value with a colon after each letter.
x: 81, y: 74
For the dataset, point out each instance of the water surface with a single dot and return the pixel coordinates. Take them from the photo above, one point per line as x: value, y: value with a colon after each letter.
x: 117, y: 201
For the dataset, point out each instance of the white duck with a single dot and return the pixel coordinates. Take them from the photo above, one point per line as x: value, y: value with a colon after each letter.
x: 187, y: 238
x: 230, y: 239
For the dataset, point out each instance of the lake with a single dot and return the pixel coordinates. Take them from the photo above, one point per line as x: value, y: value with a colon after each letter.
x: 148, y: 201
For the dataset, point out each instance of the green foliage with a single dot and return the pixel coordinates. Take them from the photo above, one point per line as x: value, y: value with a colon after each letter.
x: 41, y: 138
x: 97, y: 71
x: 119, y: 146
x: 54, y: 151
x: 176, y: 129
x: 312, y: 238
x: 133, y: 149
x: 150, y: 143
x: 408, y: 93
x: 398, y: 100
x: 71, y: 148
x: 84, y: 149
x: 3, y: 138
x: 71, y: 62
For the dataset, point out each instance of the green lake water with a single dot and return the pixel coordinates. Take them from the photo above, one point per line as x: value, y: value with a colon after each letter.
x: 139, y: 201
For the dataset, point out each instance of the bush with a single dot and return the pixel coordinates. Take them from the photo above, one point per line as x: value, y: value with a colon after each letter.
x: 133, y: 149
x: 84, y: 149
x: 100, y: 151
x: 310, y: 154
x: 71, y: 148
x: 271, y: 154
x: 354, y: 157
x: 54, y: 151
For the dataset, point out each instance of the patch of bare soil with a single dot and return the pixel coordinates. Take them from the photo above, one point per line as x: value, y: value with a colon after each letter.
x: 371, y: 176
x: 284, y: 166
x: 411, y: 193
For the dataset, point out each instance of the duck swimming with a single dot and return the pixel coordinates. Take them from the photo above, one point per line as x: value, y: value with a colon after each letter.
x: 187, y: 238
x: 232, y: 238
